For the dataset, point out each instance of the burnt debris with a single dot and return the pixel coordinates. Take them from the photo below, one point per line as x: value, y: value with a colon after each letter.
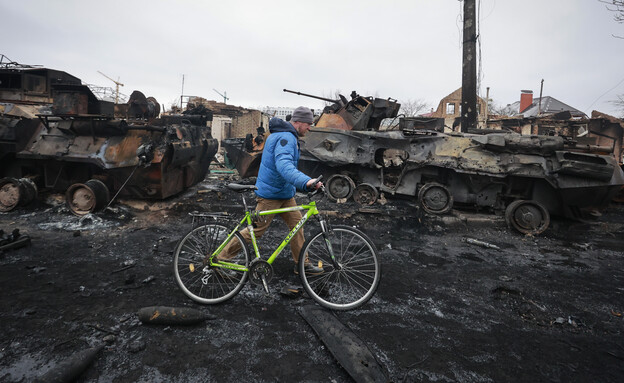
x: 14, y: 240
x: 172, y: 315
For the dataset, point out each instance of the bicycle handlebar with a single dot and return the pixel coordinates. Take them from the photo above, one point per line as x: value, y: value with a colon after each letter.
x: 316, y: 191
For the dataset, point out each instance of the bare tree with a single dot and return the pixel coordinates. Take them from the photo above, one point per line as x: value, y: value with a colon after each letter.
x: 333, y: 94
x: 620, y: 104
x: 496, y: 109
x: 412, y: 108
x: 616, y: 6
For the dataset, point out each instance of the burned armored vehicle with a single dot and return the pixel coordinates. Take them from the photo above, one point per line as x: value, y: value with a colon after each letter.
x: 526, y: 177
x: 360, y: 113
x: 57, y: 135
x: 245, y: 154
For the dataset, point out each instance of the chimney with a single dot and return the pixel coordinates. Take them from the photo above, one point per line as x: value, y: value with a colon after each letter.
x: 526, y: 100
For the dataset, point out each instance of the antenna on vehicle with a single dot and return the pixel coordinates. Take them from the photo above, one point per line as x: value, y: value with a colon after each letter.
x: 117, y: 85
x: 224, y: 95
x: 182, y: 94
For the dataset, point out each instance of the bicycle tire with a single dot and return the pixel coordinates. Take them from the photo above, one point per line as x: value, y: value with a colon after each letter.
x: 355, y: 282
x: 202, y: 283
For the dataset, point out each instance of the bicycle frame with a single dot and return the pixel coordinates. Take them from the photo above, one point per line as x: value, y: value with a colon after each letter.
x: 310, y: 209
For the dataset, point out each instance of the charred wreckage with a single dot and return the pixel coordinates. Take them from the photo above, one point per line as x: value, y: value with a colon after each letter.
x: 528, y: 178
x: 56, y: 135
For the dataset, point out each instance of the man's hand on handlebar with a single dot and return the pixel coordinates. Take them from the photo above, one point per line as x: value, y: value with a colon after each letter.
x: 314, y: 183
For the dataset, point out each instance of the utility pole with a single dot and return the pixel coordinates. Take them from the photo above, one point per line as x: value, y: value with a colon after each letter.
x: 539, y: 105
x: 487, y: 106
x: 469, y: 68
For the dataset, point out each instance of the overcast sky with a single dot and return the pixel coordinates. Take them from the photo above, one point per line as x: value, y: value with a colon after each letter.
x: 253, y: 49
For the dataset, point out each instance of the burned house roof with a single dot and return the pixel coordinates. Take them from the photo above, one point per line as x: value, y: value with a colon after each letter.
x: 549, y: 105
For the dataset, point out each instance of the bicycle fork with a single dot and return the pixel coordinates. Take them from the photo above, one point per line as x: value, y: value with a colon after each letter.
x: 327, y: 233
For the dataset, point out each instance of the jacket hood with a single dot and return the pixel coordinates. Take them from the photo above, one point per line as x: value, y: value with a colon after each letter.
x: 279, y: 125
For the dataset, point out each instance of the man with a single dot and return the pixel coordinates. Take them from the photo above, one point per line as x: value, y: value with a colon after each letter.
x: 278, y: 179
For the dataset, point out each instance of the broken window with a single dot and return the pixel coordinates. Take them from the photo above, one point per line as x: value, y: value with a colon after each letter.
x: 10, y: 81
x: 450, y: 108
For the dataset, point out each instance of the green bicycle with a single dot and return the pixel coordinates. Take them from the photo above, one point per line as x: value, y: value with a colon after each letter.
x: 351, y: 268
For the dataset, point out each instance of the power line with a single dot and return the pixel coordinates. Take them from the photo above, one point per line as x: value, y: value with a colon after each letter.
x: 596, y: 100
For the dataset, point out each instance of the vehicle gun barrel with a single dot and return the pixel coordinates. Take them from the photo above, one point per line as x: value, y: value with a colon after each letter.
x: 309, y: 95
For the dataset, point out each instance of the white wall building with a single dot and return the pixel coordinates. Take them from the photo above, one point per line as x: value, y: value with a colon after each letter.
x: 281, y: 111
x: 277, y: 111
x: 219, y: 127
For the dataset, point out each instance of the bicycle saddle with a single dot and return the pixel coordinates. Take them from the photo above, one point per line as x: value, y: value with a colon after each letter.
x: 241, y: 188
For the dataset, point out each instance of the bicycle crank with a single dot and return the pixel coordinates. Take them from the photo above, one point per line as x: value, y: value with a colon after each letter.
x: 260, y: 272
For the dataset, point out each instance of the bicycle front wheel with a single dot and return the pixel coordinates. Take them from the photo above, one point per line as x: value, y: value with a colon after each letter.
x: 351, y: 279
x: 197, y: 279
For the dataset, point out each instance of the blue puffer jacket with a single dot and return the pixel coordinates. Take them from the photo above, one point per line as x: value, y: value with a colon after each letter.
x: 278, y: 176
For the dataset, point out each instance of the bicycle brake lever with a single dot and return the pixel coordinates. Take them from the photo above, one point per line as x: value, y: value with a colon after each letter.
x: 315, y: 192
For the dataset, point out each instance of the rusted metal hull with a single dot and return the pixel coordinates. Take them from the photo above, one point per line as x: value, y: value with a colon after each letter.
x: 62, y: 160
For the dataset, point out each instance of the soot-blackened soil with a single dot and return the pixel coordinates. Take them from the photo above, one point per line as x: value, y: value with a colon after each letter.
x: 539, y: 309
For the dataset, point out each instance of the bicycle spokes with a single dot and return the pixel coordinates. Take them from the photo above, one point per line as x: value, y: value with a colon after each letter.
x: 200, y: 281
x: 350, y: 277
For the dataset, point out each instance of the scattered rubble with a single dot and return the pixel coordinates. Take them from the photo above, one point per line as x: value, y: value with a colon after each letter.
x: 172, y: 315
x: 15, y: 240
x: 473, y: 241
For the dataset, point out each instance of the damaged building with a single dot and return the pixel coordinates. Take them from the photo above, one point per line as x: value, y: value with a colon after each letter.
x: 600, y: 133
x: 449, y: 111
x: 240, y: 131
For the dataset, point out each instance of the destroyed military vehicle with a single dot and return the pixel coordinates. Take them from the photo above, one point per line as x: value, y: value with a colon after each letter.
x: 245, y: 154
x: 526, y: 177
x: 56, y: 135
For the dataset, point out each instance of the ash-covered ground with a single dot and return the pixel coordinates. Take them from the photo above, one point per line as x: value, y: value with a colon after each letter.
x: 539, y: 309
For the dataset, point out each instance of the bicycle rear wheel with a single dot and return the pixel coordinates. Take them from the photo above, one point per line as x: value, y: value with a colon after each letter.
x: 356, y: 278
x: 199, y: 281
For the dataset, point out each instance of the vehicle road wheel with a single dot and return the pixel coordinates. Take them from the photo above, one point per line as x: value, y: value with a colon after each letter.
x: 527, y: 217
x: 87, y: 198
x: 16, y: 192
x: 200, y: 282
x: 435, y: 198
x: 365, y: 194
x: 356, y: 278
x: 339, y: 187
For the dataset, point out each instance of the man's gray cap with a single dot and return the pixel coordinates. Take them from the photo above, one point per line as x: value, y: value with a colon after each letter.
x: 303, y: 114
